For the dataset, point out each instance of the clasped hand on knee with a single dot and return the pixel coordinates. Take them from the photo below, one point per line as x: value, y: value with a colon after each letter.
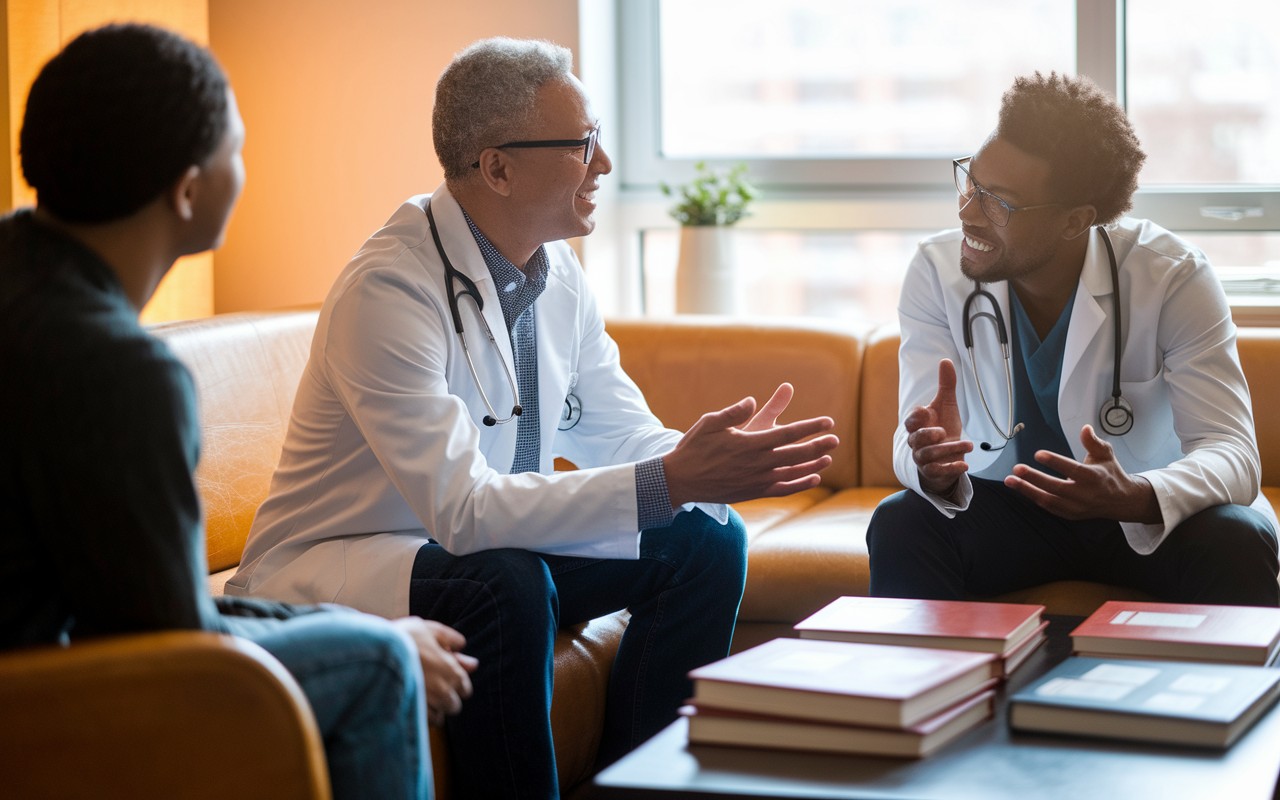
x: 445, y: 668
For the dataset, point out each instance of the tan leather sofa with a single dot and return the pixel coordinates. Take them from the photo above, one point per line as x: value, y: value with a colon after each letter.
x: 804, y: 550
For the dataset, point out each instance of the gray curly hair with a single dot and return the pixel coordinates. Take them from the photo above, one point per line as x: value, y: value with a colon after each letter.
x: 486, y: 96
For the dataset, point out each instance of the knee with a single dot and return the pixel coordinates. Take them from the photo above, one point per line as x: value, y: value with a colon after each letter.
x: 1231, y: 534
x: 897, y: 524
x: 715, y: 547
x: 519, y: 582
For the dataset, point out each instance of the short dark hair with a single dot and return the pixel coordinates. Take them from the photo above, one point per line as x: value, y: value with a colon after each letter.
x: 1084, y: 134
x: 116, y: 117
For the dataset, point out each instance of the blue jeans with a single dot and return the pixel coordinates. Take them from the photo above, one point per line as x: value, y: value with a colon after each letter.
x: 364, y: 682
x: 683, y: 595
x: 1224, y: 555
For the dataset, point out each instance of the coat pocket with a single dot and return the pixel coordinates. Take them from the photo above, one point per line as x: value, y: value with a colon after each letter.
x: 1152, y: 442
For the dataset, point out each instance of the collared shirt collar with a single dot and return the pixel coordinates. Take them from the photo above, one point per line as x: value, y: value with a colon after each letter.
x: 516, y: 290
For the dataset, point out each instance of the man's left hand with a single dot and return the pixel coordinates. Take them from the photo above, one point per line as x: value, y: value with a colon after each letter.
x: 1097, y: 489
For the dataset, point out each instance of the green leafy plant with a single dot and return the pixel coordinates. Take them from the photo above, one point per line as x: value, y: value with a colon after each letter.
x: 712, y: 198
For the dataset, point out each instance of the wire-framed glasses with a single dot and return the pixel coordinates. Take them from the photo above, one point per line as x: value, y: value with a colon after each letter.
x: 588, y: 143
x: 997, y: 210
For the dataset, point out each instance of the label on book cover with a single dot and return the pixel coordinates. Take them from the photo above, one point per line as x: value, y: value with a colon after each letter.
x: 1158, y: 619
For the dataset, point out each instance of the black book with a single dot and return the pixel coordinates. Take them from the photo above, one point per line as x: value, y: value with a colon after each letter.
x: 1208, y: 705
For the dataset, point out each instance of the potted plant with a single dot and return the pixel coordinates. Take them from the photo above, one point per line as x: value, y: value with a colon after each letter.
x: 705, y: 208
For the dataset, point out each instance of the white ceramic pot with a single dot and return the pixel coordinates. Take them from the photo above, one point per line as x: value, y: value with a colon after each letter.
x: 706, y: 282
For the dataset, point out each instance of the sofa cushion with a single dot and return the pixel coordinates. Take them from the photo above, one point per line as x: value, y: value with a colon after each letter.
x: 800, y: 565
x: 689, y: 366
x: 879, y: 407
x: 765, y: 513
x: 246, y: 369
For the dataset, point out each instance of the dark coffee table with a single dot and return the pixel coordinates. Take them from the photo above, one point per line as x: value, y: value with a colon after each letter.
x: 988, y: 763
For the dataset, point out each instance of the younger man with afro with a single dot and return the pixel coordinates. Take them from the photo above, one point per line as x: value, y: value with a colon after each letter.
x: 1115, y: 427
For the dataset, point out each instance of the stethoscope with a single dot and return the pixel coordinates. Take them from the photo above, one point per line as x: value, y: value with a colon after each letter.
x: 572, y: 411
x: 1116, y: 415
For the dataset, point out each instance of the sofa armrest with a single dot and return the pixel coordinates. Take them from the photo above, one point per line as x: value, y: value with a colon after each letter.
x: 171, y: 714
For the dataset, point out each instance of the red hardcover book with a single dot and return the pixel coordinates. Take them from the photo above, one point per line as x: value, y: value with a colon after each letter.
x: 950, y: 624
x: 1016, y: 657
x: 858, y: 684
x: 1177, y: 631
x: 710, y: 725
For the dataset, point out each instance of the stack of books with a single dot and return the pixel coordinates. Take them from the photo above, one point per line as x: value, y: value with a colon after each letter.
x: 1009, y: 631
x: 841, y: 697
x: 1159, y: 672
x: 1207, y: 705
x: 1180, y: 632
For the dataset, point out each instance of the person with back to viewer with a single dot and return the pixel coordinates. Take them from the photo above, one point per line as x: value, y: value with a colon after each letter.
x: 409, y: 483
x: 1117, y: 439
x: 132, y: 141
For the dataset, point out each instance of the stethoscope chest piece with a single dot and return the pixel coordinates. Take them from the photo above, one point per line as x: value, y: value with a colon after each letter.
x: 571, y: 414
x: 1116, y: 416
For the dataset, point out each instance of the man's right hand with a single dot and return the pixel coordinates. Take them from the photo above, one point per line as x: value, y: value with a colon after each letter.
x: 933, y: 433
x: 445, y: 668
x: 735, y: 454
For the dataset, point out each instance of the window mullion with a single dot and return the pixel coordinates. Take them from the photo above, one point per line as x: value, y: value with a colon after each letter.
x: 1100, y: 43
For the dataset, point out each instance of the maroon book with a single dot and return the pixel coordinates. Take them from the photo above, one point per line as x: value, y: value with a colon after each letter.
x: 950, y: 624
x: 859, y: 684
x: 710, y: 725
x: 1182, y: 632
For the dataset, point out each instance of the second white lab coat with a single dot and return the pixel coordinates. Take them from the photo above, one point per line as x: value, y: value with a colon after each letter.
x: 1193, y: 435
x: 386, y: 448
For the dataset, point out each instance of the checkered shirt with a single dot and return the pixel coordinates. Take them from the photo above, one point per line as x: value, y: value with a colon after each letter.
x: 517, y: 291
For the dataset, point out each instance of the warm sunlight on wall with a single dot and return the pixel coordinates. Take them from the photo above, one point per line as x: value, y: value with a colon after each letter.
x: 34, y: 32
x: 337, y: 100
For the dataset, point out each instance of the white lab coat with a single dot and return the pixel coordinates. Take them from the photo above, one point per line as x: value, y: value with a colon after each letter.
x: 1193, y: 435
x: 385, y: 445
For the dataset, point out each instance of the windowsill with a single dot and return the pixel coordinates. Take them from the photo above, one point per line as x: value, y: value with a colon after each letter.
x: 1255, y: 310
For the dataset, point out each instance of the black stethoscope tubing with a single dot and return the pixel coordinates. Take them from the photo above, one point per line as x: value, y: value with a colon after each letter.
x: 572, y: 412
x: 1116, y: 415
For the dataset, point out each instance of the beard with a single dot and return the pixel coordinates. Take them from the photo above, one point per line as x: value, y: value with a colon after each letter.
x: 1008, y: 267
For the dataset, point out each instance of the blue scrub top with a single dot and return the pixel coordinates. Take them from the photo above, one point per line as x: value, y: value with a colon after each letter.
x: 1037, y: 374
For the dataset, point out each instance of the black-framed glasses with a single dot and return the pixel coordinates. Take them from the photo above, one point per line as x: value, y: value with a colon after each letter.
x: 588, y: 143
x: 997, y: 210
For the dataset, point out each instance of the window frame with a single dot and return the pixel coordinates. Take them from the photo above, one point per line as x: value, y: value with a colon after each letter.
x: 1100, y: 42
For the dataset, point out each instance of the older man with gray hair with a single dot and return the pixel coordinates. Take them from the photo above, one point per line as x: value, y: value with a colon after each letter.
x: 417, y: 474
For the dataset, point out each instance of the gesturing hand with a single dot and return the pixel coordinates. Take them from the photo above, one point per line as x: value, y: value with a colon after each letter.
x: 933, y: 433
x: 1097, y: 489
x: 736, y: 454
x: 445, y: 668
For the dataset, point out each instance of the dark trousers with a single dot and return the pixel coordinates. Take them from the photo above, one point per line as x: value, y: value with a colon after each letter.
x: 683, y: 595
x: 1004, y: 542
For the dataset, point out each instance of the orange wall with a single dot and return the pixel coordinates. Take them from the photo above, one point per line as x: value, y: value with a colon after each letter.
x: 336, y: 96
x: 34, y: 31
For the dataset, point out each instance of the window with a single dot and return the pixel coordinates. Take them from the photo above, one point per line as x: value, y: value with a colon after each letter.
x: 813, y: 273
x: 860, y: 104
x: 816, y: 79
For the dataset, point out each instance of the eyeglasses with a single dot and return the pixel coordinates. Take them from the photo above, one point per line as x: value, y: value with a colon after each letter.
x: 589, y: 142
x: 997, y: 210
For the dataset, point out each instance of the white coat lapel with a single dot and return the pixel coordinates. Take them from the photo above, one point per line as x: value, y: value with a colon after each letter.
x: 1080, y: 355
x: 464, y: 254
x: 557, y: 306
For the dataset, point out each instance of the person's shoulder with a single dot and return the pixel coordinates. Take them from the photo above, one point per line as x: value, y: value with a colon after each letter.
x: 1144, y: 238
x: 389, y: 263
x: 941, y: 248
